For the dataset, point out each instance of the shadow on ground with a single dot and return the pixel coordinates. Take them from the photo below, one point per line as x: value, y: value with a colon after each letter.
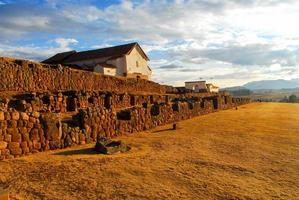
x: 87, y: 151
x: 164, y: 130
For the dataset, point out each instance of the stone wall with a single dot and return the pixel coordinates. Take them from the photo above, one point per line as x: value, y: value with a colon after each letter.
x: 45, y: 107
x: 26, y: 76
x: 26, y: 132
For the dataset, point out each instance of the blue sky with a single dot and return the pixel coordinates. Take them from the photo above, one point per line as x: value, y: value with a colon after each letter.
x: 227, y: 42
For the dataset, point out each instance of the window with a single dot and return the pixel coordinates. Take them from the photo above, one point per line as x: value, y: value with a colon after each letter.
x: 137, y: 64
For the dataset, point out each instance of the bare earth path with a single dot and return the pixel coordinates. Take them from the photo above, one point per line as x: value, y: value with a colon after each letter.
x: 249, y: 153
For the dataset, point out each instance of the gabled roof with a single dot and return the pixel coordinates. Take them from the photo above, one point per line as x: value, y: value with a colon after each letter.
x: 58, y: 58
x: 109, y: 52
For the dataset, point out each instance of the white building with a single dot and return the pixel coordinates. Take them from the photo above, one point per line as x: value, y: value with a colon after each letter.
x: 127, y: 60
x: 201, y: 86
x: 196, y: 86
x: 212, y: 88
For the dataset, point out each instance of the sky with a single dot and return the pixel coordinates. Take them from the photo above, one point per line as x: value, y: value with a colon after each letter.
x: 227, y: 42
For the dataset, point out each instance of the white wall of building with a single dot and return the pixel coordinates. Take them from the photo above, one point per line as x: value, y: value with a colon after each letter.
x: 196, y: 85
x: 121, y: 65
x: 137, y: 64
x: 105, y: 70
x: 212, y: 88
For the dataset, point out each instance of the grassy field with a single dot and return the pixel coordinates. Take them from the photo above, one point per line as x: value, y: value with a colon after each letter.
x: 249, y: 153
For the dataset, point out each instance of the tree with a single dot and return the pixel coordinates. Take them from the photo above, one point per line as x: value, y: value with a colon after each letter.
x: 293, y: 98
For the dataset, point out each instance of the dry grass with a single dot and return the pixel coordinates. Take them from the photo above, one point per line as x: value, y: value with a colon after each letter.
x: 249, y: 153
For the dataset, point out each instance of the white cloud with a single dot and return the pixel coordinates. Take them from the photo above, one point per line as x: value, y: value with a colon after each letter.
x: 35, y: 52
x: 65, y: 42
x: 238, y: 39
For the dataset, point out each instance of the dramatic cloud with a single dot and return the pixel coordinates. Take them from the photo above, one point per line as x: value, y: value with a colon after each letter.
x: 35, y: 52
x: 228, y: 42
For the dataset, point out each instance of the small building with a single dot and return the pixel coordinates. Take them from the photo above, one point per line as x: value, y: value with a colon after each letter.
x: 201, y: 86
x: 127, y: 60
x: 196, y: 86
x: 212, y: 88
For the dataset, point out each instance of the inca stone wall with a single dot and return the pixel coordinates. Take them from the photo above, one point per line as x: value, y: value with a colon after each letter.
x: 26, y: 76
x: 47, y: 119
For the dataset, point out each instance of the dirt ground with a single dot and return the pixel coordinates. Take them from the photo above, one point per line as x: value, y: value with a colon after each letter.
x: 249, y: 153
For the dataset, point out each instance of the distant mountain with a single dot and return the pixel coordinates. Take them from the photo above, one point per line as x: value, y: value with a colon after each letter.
x: 237, y: 91
x: 272, y: 84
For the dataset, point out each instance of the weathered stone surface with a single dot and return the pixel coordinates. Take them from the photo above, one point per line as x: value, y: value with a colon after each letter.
x: 16, y: 137
x: 107, y: 146
x: 3, y: 145
x: 7, y: 138
x: 2, y: 118
x: 15, y: 151
x: 13, y: 145
x: 39, y: 77
x: 24, y: 116
x: 15, y: 116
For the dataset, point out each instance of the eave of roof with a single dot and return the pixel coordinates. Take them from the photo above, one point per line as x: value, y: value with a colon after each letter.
x: 194, y: 81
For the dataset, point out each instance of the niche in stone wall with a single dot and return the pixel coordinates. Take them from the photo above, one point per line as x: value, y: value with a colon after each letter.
x: 155, y: 110
x: 71, y: 103
x: 132, y: 100
x: 152, y: 99
x: 215, y: 103
x: 190, y: 105
x: 91, y: 100
x: 46, y: 99
x: 202, y: 104
x: 124, y: 115
x: 176, y: 107
x: 107, y: 101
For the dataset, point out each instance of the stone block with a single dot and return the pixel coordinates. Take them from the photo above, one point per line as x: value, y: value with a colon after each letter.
x: 24, y: 116
x: 3, y: 145
x: 13, y: 145
x: 36, y: 114
x: 7, y: 116
x: 12, y: 124
x: 24, y: 145
x: 16, y: 151
x: 25, y: 150
x: 15, y: 116
x: 7, y: 138
x: 32, y: 119
x: 30, y: 125
x: 2, y: 118
x: 16, y: 137
x: 23, y: 130
x: 5, y: 152
x: 25, y: 137
x: 36, y: 145
x: 20, y: 123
